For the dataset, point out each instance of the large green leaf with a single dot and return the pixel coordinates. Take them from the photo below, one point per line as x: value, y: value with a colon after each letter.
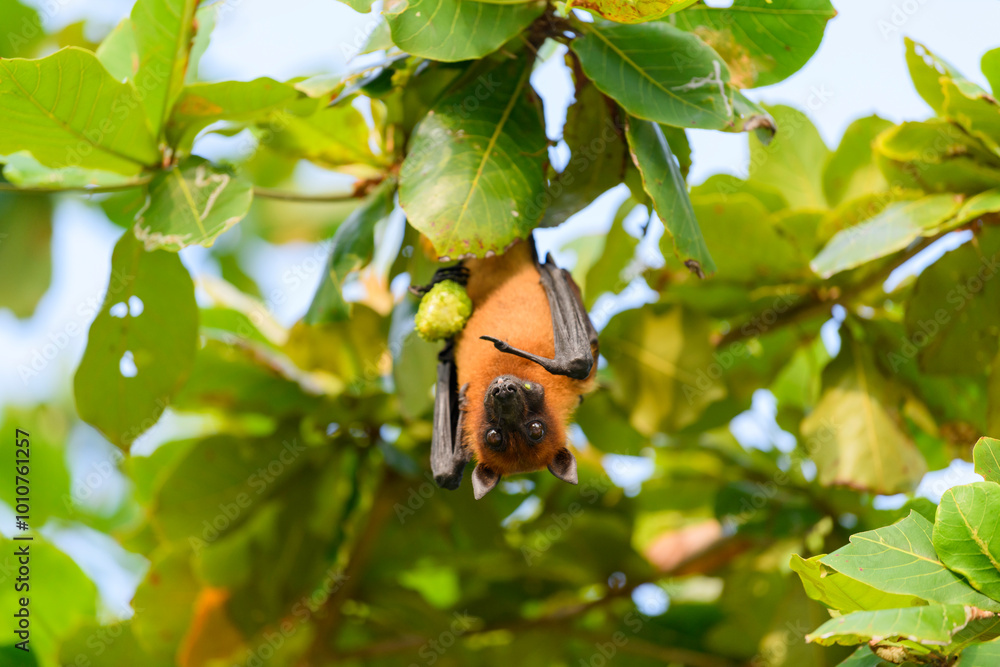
x: 901, y: 559
x: 933, y: 625
x: 107, y: 646
x: 852, y: 171
x: 764, y: 41
x: 163, y: 31
x: 636, y: 65
x: 662, y: 180
x: 263, y: 101
x: 453, y: 30
x: 864, y: 657
x: 633, y: 11
x: 25, y: 255
x: 951, y: 316
x: 351, y: 249
x: 68, y: 111
x: 141, y: 346
x: 165, y: 602
x: 987, y: 457
x: 842, y: 593
x: 896, y: 227
x: 856, y: 434
x: 967, y: 534
x: 192, y: 203
x: 792, y: 163
x: 977, y: 113
x: 980, y: 655
x: 23, y: 170
x: 473, y: 181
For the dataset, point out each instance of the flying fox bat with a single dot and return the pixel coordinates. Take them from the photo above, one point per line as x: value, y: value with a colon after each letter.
x: 509, y: 381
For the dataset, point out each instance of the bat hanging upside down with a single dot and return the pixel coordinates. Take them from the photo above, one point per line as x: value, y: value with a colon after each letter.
x: 509, y: 381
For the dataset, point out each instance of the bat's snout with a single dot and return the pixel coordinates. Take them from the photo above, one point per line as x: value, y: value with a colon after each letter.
x: 503, y: 389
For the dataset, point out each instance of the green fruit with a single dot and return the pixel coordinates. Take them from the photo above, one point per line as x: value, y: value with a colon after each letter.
x: 443, y: 311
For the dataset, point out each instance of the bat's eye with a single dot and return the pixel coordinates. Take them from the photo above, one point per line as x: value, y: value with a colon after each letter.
x: 536, y: 431
x: 493, y: 437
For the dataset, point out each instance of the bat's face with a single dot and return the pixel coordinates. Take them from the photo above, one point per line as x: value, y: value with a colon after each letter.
x: 518, y: 433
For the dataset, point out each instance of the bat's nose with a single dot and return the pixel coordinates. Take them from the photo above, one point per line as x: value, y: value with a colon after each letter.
x: 504, y: 390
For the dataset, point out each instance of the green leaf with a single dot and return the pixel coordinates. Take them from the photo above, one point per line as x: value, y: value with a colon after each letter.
x: 864, y: 657
x: 68, y: 111
x: 852, y: 171
x: 933, y: 625
x: 192, y: 203
x: 842, y: 593
x: 107, y: 646
x: 987, y: 457
x: 23, y: 170
x: 637, y: 66
x: 50, y: 492
x: 979, y: 655
x: 901, y: 559
x: 473, y: 179
x: 23, y: 29
x: 333, y: 137
x: 163, y: 31
x: 608, y: 273
x: 793, y: 162
x: 951, y: 316
x: 264, y: 101
x: 350, y: 250
x: 658, y: 355
x: 597, y: 155
x: 990, y: 64
x: 928, y: 71
x: 25, y: 254
x: 164, y: 603
x: 936, y: 156
x: 856, y: 434
x: 978, y: 113
x: 662, y: 180
x: 723, y: 220
x: 896, y: 227
x: 205, y: 24
x: 633, y: 11
x: 453, y: 30
x: 967, y: 534
x: 763, y: 41
x: 118, y: 52
x: 141, y: 346
x: 363, y: 6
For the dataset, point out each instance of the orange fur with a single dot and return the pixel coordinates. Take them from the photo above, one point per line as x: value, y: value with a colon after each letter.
x: 509, y: 303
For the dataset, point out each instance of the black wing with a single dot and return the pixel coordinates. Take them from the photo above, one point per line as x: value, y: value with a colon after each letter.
x: 448, y: 457
x: 574, y: 333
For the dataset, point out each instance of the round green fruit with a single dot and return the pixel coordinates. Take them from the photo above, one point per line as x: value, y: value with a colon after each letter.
x: 443, y: 311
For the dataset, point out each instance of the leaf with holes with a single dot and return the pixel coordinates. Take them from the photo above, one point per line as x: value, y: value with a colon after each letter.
x: 928, y: 72
x: 473, y: 181
x: 192, y: 203
x: 453, y: 30
x: 967, y: 534
x: 763, y: 41
x: 662, y: 180
x: 640, y: 66
x: 987, y: 457
x: 163, y: 31
x: 66, y: 110
x: 901, y: 559
x: 141, y: 346
x: 351, y: 249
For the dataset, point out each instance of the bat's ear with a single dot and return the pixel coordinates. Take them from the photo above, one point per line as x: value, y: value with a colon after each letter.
x: 483, y: 480
x: 563, y: 466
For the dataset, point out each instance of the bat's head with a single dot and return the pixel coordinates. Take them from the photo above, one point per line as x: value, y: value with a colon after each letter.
x: 518, y: 431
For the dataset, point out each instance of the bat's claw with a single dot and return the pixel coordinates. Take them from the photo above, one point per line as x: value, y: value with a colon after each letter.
x: 501, y: 345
